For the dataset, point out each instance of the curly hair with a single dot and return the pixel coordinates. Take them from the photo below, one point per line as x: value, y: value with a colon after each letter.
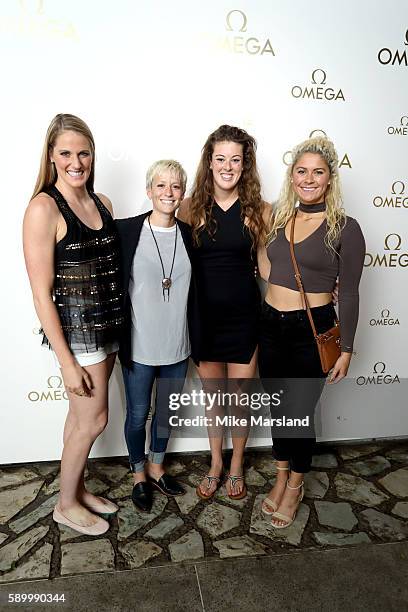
x: 335, y: 213
x: 249, y: 187
x: 62, y: 122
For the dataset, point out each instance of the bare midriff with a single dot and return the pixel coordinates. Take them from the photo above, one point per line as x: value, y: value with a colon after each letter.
x: 285, y: 299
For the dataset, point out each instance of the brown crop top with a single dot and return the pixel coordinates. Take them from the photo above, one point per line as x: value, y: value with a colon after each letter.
x: 320, y: 268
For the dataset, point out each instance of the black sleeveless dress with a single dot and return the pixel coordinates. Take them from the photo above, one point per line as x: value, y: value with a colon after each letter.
x: 87, y: 286
x: 229, y: 299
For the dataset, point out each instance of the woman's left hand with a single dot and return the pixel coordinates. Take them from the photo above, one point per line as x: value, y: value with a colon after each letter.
x: 340, y: 368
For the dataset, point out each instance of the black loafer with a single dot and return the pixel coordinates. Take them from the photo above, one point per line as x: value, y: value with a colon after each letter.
x: 142, y: 496
x: 167, y: 485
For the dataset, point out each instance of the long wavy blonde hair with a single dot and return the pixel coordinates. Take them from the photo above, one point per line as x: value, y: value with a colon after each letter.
x: 335, y: 213
x: 249, y: 187
x: 47, y: 174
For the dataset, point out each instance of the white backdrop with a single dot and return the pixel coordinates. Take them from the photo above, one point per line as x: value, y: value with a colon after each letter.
x: 152, y: 79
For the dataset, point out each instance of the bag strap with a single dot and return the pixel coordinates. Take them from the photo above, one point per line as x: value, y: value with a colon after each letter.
x: 298, y: 276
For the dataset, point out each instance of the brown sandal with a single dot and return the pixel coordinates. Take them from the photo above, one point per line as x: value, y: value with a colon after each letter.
x: 210, y: 479
x: 233, y: 480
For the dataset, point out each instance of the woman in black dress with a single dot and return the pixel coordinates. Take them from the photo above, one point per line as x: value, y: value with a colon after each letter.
x: 227, y: 216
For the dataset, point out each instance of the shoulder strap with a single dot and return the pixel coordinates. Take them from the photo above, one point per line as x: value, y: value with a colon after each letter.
x: 298, y: 276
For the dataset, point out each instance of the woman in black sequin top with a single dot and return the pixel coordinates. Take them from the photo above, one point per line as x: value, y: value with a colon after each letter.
x: 72, y: 259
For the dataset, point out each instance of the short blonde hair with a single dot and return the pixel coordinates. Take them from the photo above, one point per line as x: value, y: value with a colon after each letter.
x: 166, y: 165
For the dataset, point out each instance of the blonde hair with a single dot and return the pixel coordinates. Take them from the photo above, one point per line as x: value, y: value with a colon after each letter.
x: 47, y: 174
x: 335, y: 213
x: 164, y: 165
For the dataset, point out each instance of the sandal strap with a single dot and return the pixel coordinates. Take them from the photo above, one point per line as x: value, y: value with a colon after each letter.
x: 234, y: 480
x: 295, y: 488
x: 284, y: 469
x: 282, y: 517
x: 271, y: 504
x: 211, y: 479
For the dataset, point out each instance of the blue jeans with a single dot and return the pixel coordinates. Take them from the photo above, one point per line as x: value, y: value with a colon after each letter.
x: 139, y: 379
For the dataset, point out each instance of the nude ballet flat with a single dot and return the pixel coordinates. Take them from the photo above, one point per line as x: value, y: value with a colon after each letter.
x: 108, y: 507
x: 100, y: 527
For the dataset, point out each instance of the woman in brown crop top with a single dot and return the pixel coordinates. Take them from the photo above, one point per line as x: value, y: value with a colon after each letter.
x: 328, y: 245
x: 72, y: 257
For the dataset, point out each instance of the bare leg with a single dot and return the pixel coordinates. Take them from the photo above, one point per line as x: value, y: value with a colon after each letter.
x: 290, y: 499
x: 212, y: 371
x: 87, y: 418
x: 276, y: 493
x: 240, y: 435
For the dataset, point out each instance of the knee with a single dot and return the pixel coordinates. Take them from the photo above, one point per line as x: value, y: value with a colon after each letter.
x: 137, y: 417
x: 94, y: 428
x: 100, y: 425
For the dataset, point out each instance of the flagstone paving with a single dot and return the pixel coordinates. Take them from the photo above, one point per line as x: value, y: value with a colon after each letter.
x: 355, y: 495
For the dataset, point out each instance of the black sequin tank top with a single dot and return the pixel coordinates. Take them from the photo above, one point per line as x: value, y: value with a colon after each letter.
x: 87, y: 290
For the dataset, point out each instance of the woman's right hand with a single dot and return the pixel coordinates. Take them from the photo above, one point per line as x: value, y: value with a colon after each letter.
x: 76, y: 380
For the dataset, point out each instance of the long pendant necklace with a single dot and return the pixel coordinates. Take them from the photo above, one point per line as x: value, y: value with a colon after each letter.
x: 166, y: 280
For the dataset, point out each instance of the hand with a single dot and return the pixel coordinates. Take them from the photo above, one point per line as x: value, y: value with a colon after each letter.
x: 76, y: 380
x: 340, y: 368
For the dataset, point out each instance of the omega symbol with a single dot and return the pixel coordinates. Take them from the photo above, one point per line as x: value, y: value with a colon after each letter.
x: 398, y: 243
x: 323, y: 81
x: 228, y: 21
x: 314, y: 133
x: 385, y: 313
x: 379, y: 363
x: 54, y: 382
x: 287, y: 158
x: 397, y: 183
x: 402, y: 120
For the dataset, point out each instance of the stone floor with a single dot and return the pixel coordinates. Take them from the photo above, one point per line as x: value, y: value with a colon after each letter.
x: 354, y: 496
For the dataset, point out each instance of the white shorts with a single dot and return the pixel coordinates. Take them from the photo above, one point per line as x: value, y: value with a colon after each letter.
x: 87, y: 359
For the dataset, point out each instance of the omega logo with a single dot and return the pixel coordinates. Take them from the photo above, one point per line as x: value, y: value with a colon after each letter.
x: 317, y: 93
x: 401, y: 129
x: 315, y: 133
x: 323, y: 80
x: 55, y: 391
x: 379, y: 377
x: 390, y: 258
x: 236, y: 21
x: 388, y: 56
x: 387, y: 241
x: 118, y: 155
x: 243, y: 27
x: 398, y: 198
x: 344, y: 161
x: 287, y: 158
x: 384, y: 319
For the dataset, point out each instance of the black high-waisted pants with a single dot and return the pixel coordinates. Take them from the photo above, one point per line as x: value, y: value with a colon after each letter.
x: 289, y: 361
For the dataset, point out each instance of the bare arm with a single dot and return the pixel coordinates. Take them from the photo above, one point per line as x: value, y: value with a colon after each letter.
x: 264, y: 265
x: 39, y: 236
